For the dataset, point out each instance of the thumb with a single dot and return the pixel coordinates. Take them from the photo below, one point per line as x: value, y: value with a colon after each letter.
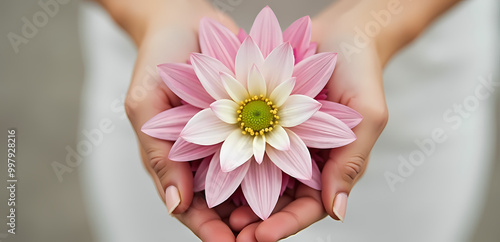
x: 346, y: 165
x: 173, y: 180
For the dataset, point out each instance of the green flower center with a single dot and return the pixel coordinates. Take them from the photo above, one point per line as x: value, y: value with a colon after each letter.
x: 257, y: 115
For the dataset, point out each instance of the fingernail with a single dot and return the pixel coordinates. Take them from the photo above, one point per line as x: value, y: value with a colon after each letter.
x: 340, y: 206
x: 172, y: 198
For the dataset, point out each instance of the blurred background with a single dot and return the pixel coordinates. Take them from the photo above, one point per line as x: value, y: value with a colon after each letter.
x: 41, y: 82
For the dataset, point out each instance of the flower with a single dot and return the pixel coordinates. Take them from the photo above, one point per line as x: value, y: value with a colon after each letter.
x: 250, y: 111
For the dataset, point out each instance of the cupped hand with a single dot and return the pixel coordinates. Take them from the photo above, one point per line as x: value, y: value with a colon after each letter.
x: 357, y: 83
x: 167, y: 33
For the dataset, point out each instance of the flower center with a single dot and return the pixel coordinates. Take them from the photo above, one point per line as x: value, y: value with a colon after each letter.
x: 257, y: 115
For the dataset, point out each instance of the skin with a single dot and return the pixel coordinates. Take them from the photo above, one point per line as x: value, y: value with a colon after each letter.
x: 166, y: 31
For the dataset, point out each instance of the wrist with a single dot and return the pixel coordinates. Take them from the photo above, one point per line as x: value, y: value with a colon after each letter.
x: 356, y: 25
x: 138, y: 18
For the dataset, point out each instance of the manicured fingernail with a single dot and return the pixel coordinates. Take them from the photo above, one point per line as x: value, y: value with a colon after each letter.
x: 172, y: 198
x: 340, y: 205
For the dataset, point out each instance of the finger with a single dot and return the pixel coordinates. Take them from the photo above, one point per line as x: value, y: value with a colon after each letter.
x: 248, y: 233
x: 174, y: 180
x: 148, y: 96
x: 244, y: 215
x: 174, y: 176
x: 347, y: 164
x: 299, y: 214
x: 225, y: 209
x: 205, y: 222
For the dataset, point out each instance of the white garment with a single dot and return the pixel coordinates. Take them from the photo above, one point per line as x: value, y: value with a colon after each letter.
x: 439, y: 200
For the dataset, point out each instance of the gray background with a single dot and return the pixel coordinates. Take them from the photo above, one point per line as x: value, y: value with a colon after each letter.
x: 40, y: 89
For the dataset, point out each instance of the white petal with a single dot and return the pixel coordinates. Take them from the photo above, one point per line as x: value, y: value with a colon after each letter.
x: 207, y: 69
x: 205, y: 128
x: 236, y: 150
x: 278, y: 66
x: 296, y: 161
x: 261, y: 187
x: 247, y: 56
x: 225, y: 110
x: 256, y: 82
x: 237, y: 91
x: 278, y: 138
x: 220, y: 185
x: 297, y: 109
x: 259, y: 147
x: 282, y: 92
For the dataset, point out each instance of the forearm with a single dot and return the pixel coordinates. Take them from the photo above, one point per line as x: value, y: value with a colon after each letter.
x: 409, y: 20
x: 391, y: 24
x: 131, y: 15
x: 137, y: 17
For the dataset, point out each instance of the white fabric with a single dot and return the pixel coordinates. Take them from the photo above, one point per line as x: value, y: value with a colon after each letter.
x: 438, y: 201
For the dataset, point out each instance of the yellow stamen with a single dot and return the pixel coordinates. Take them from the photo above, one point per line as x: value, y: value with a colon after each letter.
x: 262, y: 129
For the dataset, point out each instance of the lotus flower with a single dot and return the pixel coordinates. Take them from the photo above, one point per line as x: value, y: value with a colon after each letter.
x: 250, y: 111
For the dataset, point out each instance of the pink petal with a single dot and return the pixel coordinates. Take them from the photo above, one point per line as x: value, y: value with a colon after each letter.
x: 181, y: 79
x: 282, y: 92
x: 234, y: 88
x: 256, y: 83
x: 297, y: 109
x: 346, y: 114
x: 220, y: 185
x: 247, y: 56
x: 296, y: 161
x: 299, y: 36
x: 186, y: 151
x: 242, y: 35
x: 225, y: 110
x: 278, y: 138
x: 205, y: 128
x: 284, y: 183
x: 266, y: 31
x: 324, y: 131
x: 311, y: 50
x: 278, y: 66
x: 218, y: 41
x: 259, y: 147
x: 201, y: 175
x: 207, y: 69
x: 315, y: 181
x: 168, y: 124
x: 236, y: 150
x: 313, y: 73
x: 261, y: 187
